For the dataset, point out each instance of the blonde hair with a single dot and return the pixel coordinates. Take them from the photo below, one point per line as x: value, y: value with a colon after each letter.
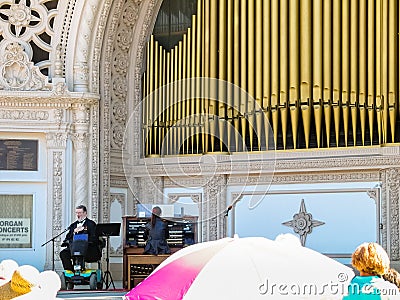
x: 392, y: 276
x: 370, y: 258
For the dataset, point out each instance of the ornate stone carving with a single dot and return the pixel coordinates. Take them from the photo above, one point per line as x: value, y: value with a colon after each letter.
x: 81, y: 114
x: 56, y: 140
x: 30, y: 115
x: 27, y: 22
x: 94, y: 155
x: 19, y: 17
x: 58, y: 63
x: 57, y: 199
x: 108, y: 51
x: 393, y: 183
x: 17, y: 72
x: 213, y: 206
x: 81, y: 140
x: 60, y: 89
x: 151, y: 190
x: 58, y: 116
x: 303, y: 223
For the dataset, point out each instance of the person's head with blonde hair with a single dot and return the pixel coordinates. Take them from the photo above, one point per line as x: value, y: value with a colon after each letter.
x: 370, y: 259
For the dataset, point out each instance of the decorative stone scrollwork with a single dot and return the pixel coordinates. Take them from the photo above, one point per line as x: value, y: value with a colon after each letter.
x: 393, y: 183
x: 214, y: 192
x: 57, y: 198
x: 17, y: 72
x: 81, y: 115
x: 56, y: 140
x: 28, y: 23
x: 81, y: 140
x: 30, y: 115
x: 60, y: 89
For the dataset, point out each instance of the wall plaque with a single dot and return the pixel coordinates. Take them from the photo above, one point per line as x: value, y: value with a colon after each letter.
x: 19, y: 155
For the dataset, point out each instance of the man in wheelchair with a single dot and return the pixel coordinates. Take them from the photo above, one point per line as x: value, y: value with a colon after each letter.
x: 82, y: 245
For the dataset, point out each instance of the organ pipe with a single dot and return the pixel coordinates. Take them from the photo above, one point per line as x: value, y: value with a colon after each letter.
x: 323, y: 73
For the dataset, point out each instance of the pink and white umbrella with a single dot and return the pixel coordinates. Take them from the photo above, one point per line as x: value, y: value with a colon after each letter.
x: 245, y: 268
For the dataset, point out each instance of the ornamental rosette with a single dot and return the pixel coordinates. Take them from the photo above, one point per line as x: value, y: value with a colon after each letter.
x: 25, y: 22
x: 302, y: 223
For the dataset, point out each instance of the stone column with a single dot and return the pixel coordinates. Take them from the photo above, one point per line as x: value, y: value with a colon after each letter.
x: 56, y: 194
x: 81, y: 142
x: 390, y: 212
x: 213, y: 208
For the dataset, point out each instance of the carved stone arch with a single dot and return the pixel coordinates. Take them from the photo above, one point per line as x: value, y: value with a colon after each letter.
x: 127, y: 28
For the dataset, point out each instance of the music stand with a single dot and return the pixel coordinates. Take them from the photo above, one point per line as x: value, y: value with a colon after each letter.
x: 107, y: 230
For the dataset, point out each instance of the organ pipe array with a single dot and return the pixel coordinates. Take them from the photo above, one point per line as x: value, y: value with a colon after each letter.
x: 317, y: 74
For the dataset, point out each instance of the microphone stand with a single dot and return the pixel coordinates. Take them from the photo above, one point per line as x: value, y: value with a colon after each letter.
x: 52, y: 240
x: 226, y: 213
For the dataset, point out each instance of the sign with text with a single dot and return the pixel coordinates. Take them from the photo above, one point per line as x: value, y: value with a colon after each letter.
x: 15, y: 231
x: 19, y: 155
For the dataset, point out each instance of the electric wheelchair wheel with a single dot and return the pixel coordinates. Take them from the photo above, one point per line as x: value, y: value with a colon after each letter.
x: 64, y: 284
x: 93, y: 281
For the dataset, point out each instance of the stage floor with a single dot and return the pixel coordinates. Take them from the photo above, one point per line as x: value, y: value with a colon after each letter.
x: 83, y: 292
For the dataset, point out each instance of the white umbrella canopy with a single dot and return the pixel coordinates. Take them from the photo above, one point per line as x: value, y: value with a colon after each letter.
x: 246, y: 268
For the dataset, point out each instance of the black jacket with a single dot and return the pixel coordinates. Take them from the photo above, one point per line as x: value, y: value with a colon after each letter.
x: 94, y: 248
x: 89, y: 228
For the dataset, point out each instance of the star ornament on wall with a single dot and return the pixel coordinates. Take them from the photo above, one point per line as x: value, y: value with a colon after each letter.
x: 303, y: 223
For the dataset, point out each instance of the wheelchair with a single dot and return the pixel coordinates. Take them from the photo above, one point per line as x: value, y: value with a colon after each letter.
x: 81, y: 275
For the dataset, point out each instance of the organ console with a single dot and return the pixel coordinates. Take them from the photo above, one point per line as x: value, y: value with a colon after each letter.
x: 136, y: 265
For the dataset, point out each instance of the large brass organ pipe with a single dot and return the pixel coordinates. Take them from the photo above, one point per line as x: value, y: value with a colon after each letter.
x: 335, y: 61
x: 163, y: 99
x: 306, y: 67
x: 229, y: 74
x: 156, y: 98
x: 354, y: 42
x: 236, y: 73
x: 206, y: 71
x: 222, y: 64
x: 192, y: 99
x: 384, y: 69
x: 243, y: 67
x: 391, y: 97
x: 175, y: 144
x: 178, y: 101
x: 378, y: 69
x: 212, y: 109
x: 150, y: 100
x: 145, y: 108
x: 283, y: 68
x: 362, y: 70
x: 275, y: 68
x: 327, y: 60
x: 167, y: 108
x: 250, y: 68
x: 294, y: 68
x: 170, y: 136
x: 267, y: 70
x: 198, y: 75
x: 345, y: 69
x: 371, y: 66
x: 336, y: 48
x: 186, y: 90
x: 317, y: 68
x: 258, y: 72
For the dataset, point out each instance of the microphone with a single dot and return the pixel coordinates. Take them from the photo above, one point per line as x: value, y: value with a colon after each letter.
x: 228, y: 209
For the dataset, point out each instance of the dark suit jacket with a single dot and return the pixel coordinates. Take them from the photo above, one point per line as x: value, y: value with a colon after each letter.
x: 93, y: 253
